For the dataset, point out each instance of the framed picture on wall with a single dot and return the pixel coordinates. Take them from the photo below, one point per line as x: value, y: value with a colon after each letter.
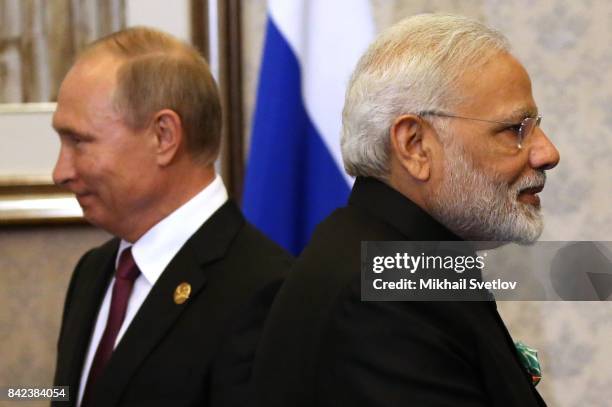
x: 38, y: 43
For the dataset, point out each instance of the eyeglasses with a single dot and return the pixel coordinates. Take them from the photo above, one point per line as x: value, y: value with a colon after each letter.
x: 522, y: 129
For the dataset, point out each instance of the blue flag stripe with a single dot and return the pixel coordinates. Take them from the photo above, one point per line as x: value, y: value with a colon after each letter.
x: 292, y: 181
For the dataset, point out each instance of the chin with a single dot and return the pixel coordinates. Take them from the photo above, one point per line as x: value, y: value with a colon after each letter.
x: 93, y: 221
x: 523, y: 224
x: 528, y: 230
x: 94, y: 217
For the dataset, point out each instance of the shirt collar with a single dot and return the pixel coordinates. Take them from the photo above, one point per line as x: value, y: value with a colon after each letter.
x: 158, y: 246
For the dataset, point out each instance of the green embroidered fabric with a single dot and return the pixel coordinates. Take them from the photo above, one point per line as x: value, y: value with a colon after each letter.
x: 529, y: 358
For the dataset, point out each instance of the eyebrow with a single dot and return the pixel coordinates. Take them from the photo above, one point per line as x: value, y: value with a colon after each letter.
x: 70, y: 131
x: 522, y: 113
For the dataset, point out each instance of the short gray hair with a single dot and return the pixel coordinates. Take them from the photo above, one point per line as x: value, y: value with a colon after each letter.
x: 159, y: 71
x: 411, y: 67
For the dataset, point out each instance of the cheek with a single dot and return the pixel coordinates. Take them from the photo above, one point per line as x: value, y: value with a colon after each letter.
x: 90, y: 170
x: 503, y: 167
x: 131, y: 182
x: 98, y: 176
x: 83, y: 165
x: 509, y: 170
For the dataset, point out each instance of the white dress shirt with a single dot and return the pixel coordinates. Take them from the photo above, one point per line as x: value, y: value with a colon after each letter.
x: 152, y: 254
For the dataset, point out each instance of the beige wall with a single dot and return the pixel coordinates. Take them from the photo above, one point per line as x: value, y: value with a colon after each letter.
x: 35, y: 267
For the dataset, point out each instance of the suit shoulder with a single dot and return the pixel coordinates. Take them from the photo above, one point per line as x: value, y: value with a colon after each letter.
x: 258, y: 246
x: 255, y: 257
x: 327, y: 269
x: 347, y: 228
x: 333, y: 255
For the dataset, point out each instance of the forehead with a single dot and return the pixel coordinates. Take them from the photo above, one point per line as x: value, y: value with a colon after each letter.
x: 499, y: 89
x: 86, y: 94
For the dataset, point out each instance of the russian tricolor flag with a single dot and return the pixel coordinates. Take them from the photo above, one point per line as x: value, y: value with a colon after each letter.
x: 295, y: 176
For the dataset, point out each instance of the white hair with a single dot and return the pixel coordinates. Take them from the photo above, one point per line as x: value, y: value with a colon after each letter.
x: 412, y: 67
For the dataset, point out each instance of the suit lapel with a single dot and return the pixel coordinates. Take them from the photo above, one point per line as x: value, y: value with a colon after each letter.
x: 159, y: 312
x: 95, y: 274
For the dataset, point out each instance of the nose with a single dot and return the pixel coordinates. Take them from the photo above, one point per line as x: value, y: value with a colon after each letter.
x: 63, y: 172
x: 543, y: 154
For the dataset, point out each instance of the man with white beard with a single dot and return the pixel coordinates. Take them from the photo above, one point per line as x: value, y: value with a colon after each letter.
x: 442, y: 132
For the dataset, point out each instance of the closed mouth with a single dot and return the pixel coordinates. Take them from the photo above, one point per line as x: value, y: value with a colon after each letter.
x: 530, y: 195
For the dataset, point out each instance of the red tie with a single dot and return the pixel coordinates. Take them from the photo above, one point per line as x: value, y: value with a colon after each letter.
x: 127, y: 271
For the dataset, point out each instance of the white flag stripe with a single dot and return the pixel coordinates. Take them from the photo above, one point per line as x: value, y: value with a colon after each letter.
x: 328, y: 37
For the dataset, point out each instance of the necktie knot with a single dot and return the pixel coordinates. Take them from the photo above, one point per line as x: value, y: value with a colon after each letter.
x: 127, y: 268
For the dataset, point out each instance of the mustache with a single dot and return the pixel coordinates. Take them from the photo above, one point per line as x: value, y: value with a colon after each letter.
x: 533, y: 180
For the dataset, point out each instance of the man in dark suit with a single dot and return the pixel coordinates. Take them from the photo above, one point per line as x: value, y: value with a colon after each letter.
x: 167, y: 313
x: 441, y: 130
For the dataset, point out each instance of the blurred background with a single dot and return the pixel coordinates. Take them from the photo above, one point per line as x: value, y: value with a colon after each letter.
x: 563, y: 44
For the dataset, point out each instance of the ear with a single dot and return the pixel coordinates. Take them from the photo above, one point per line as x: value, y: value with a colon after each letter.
x: 407, y: 133
x: 168, y: 131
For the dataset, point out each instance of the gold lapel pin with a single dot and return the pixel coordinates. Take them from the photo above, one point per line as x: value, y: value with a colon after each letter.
x: 181, y: 293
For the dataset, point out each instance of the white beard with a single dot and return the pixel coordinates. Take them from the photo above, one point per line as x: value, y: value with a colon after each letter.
x: 481, y: 207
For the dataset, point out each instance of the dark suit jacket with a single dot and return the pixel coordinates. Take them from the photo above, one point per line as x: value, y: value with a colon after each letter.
x: 196, y: 353
x: 323, y: 346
